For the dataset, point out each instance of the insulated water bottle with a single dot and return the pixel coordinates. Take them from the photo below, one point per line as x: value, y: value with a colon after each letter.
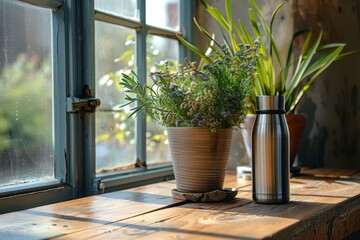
x: 270, y: 151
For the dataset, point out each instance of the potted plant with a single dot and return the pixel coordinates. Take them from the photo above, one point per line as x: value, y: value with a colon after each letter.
x: 200, y: 108
x: 294, y: 76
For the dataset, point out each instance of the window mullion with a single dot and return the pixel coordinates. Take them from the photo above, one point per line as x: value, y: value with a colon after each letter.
x: 59, y: 68
x: 75, y: 154
x: 163, y: 32
x: 117, y: 20
x: 81, y: 75
x: 187, y: 9
x: 88, y: 59
x: 140, y: 54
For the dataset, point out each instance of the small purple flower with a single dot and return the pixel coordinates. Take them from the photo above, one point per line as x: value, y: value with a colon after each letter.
x: 202, y: 123
x: 173, y: 94
x: 178, y: 123
x: 202, y: 75
x: 180, y: 94
x: 206, y: 65
x: 197, y: 115
x: 173, y: 85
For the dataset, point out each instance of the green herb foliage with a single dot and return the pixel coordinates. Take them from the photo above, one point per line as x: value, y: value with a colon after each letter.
x: 214, y: 97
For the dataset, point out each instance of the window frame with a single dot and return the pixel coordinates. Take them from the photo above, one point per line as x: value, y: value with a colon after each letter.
x: 73, y: 54
x: 12, y: 198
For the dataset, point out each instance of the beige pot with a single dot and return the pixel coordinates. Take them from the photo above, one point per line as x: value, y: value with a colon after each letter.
x: 199, y: 158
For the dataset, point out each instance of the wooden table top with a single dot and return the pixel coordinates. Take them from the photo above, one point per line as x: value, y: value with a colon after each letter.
x: 324, y: 204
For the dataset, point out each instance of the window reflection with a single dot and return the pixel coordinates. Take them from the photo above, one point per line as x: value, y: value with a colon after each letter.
x: 115, y: 133
x: 163, y: 13
x: 159, y: 50
x: 26, y: 94
x: 125, y: 8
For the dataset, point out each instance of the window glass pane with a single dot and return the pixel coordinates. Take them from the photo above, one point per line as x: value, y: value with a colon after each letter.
x: 126, y: 8
x: 115, y: 134
x: 163, y: 13
x: 158, y: 50
x: 26, y: 92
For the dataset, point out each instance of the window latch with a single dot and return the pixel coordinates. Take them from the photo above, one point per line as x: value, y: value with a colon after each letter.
x: 85, y: 104
x: 82, y: 104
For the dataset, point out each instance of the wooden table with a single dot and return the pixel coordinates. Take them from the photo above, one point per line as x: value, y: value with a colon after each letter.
x: 325, y: 204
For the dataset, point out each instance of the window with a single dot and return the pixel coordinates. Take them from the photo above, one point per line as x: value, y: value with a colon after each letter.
x: 138, y: 36
x: 30, y: 89
x: 58, y: 54
x: 26, y: 90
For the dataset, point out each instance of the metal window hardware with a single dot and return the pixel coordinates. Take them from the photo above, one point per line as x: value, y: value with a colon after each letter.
x: 98, y: 186
x: 82, y: 104
x: 85, y: 104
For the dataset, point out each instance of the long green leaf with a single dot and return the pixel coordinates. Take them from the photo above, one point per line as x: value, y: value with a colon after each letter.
x: 289, y: 63
x: 194, y: 48
x: 272, y: 42
x: 227, y: 43
x: 216, y: 14
x: 323, y: 60
x: 231, y: 25
x: 254, y: 24
x: 246, y: 38
x: 327, y: 61
x: 304, y: 64
x: 267, y: 30
x: 347, y: 54
x: 206, y: 33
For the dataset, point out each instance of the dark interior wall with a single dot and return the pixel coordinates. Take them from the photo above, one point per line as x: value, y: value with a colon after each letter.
x: 332, y: 105
x: 331, y: 136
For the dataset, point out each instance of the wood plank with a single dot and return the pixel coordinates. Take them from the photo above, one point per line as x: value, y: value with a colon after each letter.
x: 313, y: 202
x: 340, y: 227
x: 90, y: 212
x: 231, y: 181
x: 349, y: 174
x: 70, y: 216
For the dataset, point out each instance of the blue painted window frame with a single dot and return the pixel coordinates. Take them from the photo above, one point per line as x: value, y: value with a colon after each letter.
x: 73, y: 65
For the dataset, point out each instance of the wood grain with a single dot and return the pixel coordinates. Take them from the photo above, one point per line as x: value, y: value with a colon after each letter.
x: 71, y: 216
x: 320, y: 208
x: 350, y: 174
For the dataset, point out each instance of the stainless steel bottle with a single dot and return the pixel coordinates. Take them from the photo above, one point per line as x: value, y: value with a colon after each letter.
x: 270, y: 151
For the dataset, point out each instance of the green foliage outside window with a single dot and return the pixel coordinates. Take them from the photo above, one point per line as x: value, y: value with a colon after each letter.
x: 23, y: 114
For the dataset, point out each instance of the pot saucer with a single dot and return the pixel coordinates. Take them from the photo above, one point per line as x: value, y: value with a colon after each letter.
x: 222, y: 195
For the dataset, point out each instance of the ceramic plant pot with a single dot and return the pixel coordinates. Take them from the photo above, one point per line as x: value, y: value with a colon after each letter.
x: 296, y: 123
x: 246, y: 130
x: 199, y: 158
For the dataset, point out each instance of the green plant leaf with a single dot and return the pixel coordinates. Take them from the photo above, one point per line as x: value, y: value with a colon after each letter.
x: 289, y: 63
x: 272, y: 42
x: 267, y: 31
x: 231, y: 25
x: 193, y: 48
x: 303, y: 65
x: 206, y: 33
x: 325, y: 62
x: 216, y: 14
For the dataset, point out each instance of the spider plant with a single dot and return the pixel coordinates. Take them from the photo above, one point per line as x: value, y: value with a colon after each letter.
x: 295, y: 75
